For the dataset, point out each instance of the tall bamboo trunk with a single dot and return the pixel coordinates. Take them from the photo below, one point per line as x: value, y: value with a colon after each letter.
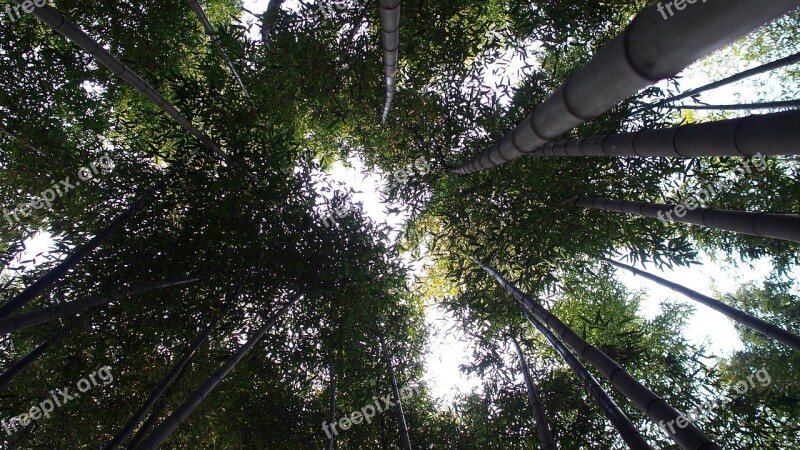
x: 40, y: 316
x: 658, y: 410
x: 201, y: 15
x: 769, y: 134
x: 55, y: 20
x: 405, y: 439
x: 171, y: 423
x: 390, y: 26
x: 148, y: 424
x: 72, y: 260
x: 649, y: 50
x: 754, y: 323
x: 269, y: 18
x: 168, y: 381
x: 535, y: 401
x: 14, y: 136
x: 627, y: 430
x: 779, y: 226
x: 764, y: 68
x: 743, y: 106
x: 331, y: 405
x: 28, y: 360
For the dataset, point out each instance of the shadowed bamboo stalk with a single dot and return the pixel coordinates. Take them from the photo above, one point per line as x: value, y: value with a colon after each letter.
x: 654, y: 407
x: 650, y: 49
x: 72, y: 260
x: 743, y: 106
x: 783, y: 62
x: 535, y: 401
x: 768, y: 134
x: 331, y: 406
x: 201, y: 15
x: 40, y: 316
x: 627, y: 430
x: 390, y: 27
x: 55, y: 20
x: 405, y: 439
x: 171, y: 423
x: 754, y: 323
x: 779, y: 226
x: 168, y: 381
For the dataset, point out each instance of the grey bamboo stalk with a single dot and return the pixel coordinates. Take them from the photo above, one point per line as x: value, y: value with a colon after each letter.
x: 168, y: 381
x: 764, y: 68
x: 55, y: 20
x: 626, y: 429
x: 650, y: 49
x: 405, y: 439
x: 40, y: 316
x: 768, y: 134
x: 778, y: 226
x: 331, y: 406
x: 148, y: 424
x: 171, y: 423
x: 390, y: 27
x: 535, y: 401
x: 72, y: 260
x: 269, y: 18
x: 28, y: 360
x: 754, y: 323
x: 201, y: 15
x: 743, y: 106
x: 654, y: 407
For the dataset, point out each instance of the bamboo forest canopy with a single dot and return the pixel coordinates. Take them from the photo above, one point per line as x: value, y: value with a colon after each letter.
x: 212, y: 285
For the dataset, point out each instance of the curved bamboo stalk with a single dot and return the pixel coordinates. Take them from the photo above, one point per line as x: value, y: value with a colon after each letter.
x: 40, y: 316
x: 148, y: 424
x: 331, y: 405
x: 390, y: 27
x: 654, y: 407
x: 778, y: 226
x: 535, y: 401
x: 405, y: 439
x: 743, y: 106
x: 627, y: 430
x: 201, y: 15
x: 769, y: 134
x: 171, y: 423
x: 783, y: 62
x: 55, y: 20
x: 754, y: 323
x: 168, y: 381
x: 649, y: 50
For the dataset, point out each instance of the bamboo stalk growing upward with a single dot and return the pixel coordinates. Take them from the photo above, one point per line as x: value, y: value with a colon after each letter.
x: 539, y: 416
x: 390, y: 26
x: 650, y: 49
x: 783, y: 62
x: 654, y: 407
x: 201, y: 14
x: 405, y: 439
x: 168, y: 381
x: 54, y: 19
x: 778, y: 226
x: 754, y: 323
x: 627, y: 430
x: 171, y: 423
x: 40, y: 316
x: 768, y: 134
